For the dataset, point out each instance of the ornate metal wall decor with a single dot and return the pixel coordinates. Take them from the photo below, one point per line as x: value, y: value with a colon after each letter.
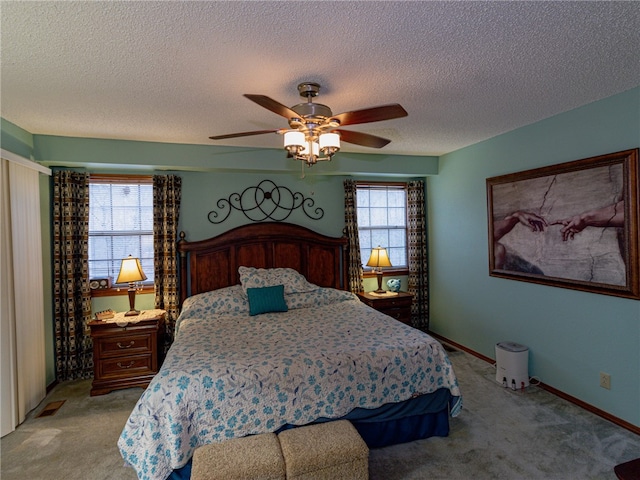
x: 266, y: 201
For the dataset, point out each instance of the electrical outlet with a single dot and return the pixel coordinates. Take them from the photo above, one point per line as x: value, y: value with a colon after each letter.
x: 605, y: 380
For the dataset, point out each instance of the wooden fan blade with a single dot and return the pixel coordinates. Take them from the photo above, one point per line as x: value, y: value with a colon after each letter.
x: 271, y: 104
x: 374, y: 114
x: 364, y: 139
x: 243, y: 134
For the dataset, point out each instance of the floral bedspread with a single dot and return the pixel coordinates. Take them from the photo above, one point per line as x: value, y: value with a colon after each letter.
x: 229, y: 374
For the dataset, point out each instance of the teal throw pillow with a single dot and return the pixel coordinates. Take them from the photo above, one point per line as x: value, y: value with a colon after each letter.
x: 266, y: 299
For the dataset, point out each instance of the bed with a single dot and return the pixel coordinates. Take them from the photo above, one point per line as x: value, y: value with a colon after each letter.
x: 268, y: 339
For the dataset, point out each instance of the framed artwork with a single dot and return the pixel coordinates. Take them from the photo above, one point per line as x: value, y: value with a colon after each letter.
x: 572, y: 225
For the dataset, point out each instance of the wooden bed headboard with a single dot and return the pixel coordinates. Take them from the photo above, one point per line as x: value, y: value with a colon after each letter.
x: 213, y: 263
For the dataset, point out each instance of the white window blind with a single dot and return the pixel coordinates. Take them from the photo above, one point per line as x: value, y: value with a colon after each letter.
x: 382, y: 221
x: 120, y: 224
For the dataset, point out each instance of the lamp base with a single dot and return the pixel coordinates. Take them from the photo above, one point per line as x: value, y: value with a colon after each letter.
x: 379, y: 275
x: 132, y: 302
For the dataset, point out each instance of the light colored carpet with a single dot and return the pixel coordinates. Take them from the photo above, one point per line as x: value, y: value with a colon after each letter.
x: 499, y: 434
x: 502, y: 434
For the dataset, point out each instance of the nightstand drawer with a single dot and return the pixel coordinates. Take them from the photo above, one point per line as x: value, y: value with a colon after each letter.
x: 390, y: 303
x: 401, y: 314
x: 127, y: 352
x: 130, y: 366
x: 124, y: 345
x: 396, y: 306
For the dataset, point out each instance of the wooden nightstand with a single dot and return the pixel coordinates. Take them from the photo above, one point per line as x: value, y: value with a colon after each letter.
x: 396, y: 306
x: 127, y: 351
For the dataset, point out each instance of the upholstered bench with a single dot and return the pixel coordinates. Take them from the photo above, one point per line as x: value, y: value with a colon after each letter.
x: 325, y: 451
x: 246, y: 458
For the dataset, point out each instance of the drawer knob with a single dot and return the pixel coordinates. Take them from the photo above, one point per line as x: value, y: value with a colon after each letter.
x: 131, y: 364
x: 131, y: 344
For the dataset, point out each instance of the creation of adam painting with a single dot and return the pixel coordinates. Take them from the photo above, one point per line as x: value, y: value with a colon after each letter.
x: 572, y: 225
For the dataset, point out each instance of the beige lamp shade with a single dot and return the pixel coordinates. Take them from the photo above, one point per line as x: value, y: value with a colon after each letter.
x: 294, y: 141
x: 379, y: 258
x: 131, y: 271
x: 329, y: 143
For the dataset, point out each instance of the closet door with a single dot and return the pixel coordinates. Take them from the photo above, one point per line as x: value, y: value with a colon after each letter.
x: 23, y: 371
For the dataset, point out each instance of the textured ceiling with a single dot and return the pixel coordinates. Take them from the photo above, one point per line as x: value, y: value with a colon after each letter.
x: 176, y: 71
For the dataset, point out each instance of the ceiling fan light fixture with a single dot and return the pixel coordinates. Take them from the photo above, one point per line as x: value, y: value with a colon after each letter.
x: 312, y: 135
x: 309, y: 147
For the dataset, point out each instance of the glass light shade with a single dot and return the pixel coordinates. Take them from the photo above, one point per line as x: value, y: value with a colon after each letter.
x: 131, y: 271
x: 379, y: 258
x: 294, y: 141
x: 329, y: 140
x: 314, y: 147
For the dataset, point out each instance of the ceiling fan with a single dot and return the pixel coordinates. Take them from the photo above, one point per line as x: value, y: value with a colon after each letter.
x: 314, y: 129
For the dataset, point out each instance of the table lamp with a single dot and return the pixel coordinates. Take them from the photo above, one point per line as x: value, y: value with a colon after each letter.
x: 377, y: 260
x: 131, y: 272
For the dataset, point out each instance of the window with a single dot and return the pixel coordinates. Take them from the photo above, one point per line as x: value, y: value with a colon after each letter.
x: 382, y: 220
x: 120, y: 224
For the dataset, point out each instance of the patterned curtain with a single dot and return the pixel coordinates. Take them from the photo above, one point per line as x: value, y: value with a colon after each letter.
x: 166, y: 210
x: 351, y: 230
x: 72, y: 296
x: 418, y: 255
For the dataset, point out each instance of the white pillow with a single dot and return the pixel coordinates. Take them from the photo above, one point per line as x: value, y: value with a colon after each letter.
x: 293, y: 281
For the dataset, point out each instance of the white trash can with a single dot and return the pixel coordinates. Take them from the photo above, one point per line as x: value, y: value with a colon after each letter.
x: 512, y: 365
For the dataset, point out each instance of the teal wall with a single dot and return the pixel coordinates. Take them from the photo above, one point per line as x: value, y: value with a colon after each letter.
x: 201, y: 192
x: 15, y: 139
x: 572, y: 336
